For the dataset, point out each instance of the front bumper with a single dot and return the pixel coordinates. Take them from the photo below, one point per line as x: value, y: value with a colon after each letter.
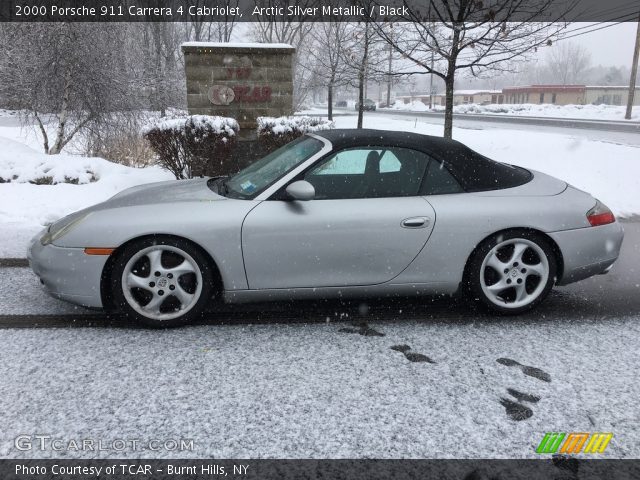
x: 67, y: 273
x: 588, y: 251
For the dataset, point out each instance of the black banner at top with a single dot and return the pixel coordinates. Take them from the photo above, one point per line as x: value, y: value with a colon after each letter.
x: 318, y: 10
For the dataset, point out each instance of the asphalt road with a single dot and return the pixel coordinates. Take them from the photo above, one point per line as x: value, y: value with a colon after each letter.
x: 616, y: 294
x: 619, y: 132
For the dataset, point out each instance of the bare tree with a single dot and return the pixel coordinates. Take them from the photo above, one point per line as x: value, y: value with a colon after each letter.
x: 293, y: 30
x: 328, y: 54
x: 157, y: 66
x: 469, y: 35
x: 568, y: 62
x: 67, y: 74
x: 364, y: 60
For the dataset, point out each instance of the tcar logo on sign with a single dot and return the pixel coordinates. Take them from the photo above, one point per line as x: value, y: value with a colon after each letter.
x: 573, y: 442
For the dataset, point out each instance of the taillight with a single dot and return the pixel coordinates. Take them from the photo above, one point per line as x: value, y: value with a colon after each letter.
x: 600, y: 215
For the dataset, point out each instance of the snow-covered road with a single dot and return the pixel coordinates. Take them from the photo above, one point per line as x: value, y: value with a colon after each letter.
x: 314, y: 390
x: 301, y: 380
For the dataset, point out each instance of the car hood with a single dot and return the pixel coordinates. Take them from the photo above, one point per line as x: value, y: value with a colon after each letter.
x: 164, y: 192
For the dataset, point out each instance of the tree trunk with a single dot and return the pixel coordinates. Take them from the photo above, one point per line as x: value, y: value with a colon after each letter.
x: 360, y: 97
x: 361, y: 76
x: 62, y: 122
x: 449, y: 82
x: 448, y: 108
x: 330, y: 101
x: 45, y: 137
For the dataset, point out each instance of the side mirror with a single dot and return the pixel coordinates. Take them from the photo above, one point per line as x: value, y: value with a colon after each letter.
x: 301, y: 190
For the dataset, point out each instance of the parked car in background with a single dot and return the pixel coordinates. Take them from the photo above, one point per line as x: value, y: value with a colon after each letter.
x: 369, y: 105
x: 339, y: 213
x: 341, y: 103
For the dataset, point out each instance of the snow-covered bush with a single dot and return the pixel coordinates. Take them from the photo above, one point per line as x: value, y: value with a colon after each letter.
x: 414, y: 106
x: 192, y: 146
x: 19, y: 164
x: 273, y: 132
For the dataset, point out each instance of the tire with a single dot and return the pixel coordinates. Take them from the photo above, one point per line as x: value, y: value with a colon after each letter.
x: 162, y: 282
x: 511, y: 272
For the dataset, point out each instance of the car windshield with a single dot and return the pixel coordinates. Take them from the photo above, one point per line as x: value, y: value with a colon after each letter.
x: 251, y: 181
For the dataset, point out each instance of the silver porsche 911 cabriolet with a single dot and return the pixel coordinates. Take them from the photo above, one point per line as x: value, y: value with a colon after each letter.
x: 335, y: 214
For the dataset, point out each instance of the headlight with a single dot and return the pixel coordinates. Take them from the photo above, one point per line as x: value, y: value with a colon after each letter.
x: 61, y: 228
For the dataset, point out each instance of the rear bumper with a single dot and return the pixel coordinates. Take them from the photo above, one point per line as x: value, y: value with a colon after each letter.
x: 588, y: 251
x: 67, y: 273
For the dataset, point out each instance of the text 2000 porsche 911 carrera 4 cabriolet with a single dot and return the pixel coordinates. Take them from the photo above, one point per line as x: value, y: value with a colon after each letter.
x: 339, y: 213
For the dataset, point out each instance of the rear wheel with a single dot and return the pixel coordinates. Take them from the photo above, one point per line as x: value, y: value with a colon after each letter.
x: 162, y: 282
x: 512, y: 272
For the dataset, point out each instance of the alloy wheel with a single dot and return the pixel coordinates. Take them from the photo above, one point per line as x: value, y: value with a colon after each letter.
x: 514, y: 273
x: 161, y: 282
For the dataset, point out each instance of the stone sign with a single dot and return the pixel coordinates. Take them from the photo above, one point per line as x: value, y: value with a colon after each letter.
x: 242, y: 81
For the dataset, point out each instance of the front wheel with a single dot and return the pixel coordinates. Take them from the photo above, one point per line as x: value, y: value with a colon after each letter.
x: 512, y: 272
x: 162, y: 282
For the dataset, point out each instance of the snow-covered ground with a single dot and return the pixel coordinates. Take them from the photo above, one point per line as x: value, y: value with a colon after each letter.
x: 609, y: 171
x: 586, y: 112
x: 25, y: 207
x: 314, y: 390
x: 296, y: 390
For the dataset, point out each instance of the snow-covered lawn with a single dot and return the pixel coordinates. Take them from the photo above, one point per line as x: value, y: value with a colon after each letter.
x: 585, y: 112
x: 26, y: 207
x: 311, y: 390
x: 609, y: 171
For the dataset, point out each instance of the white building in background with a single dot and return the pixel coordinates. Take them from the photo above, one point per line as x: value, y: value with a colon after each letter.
x: 609, y: 95
x: 460, y: 97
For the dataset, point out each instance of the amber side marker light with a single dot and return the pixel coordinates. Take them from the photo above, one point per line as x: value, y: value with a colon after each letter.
x: 98, y: 251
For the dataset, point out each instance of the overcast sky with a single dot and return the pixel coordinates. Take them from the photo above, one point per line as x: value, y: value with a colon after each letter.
x: 609, y: 46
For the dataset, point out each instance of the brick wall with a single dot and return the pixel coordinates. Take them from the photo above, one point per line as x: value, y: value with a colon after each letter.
x: 239, y: 82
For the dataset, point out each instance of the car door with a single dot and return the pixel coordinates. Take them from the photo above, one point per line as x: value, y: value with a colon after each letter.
x: 365, y: 226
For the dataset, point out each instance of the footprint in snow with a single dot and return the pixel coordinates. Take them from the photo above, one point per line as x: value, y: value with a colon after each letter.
x: 523, y: 397
x: 527, y: 370
x: 516, y: 411
x: 411, y: 356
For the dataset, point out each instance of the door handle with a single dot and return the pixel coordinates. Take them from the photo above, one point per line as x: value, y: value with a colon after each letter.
x: 415, y: 222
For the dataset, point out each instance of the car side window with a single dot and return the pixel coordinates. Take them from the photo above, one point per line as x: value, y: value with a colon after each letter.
x: 439, y: 181
x: 389, y: 162
x: 369, y: 172
x: 347, y: 162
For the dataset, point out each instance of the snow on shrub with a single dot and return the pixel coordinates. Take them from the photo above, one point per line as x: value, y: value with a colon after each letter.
x: 414, y: 106
x: 273, y: 132
x: 21, y: 164
x: 194, y: 145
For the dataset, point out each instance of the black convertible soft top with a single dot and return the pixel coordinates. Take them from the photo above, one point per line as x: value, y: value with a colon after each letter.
x: 473, y: 171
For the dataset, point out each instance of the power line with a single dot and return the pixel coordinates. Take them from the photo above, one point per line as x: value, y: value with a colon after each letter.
x: 630, y: 5
x: 590, y: 31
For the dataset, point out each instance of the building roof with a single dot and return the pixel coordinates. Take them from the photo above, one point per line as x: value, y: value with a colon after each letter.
x: 545, y: 88
x: 610, y: 87
x: 237, y: 45
x: 475, y: 92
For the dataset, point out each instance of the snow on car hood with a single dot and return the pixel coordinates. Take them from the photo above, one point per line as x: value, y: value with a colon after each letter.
x: 164, y: 192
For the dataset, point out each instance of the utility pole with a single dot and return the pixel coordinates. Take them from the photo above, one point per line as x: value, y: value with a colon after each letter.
x: 634, y: 72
